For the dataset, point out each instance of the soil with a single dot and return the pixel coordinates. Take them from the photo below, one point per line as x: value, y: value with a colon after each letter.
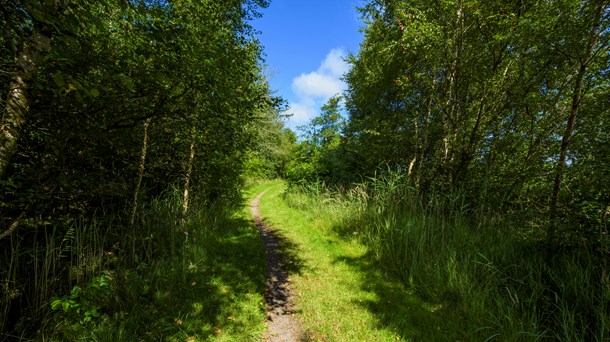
x: 282, y: 324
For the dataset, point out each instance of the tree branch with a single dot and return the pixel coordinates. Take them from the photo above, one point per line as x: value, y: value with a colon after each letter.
x: 11, y: 229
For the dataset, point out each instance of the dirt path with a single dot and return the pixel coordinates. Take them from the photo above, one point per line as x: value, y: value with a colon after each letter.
x: 282, y: 325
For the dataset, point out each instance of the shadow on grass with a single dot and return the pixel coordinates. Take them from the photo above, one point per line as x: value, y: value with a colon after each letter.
x: 212, y: 289
x: 398, y: 309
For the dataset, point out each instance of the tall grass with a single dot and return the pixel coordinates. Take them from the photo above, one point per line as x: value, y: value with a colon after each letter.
x: 486, y: 279
x: 169, y: 277
x: 39, y: 262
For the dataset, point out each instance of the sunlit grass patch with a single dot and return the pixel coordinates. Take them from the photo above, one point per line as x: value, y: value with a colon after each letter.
x: 473, y: 276
x: 342, y: 294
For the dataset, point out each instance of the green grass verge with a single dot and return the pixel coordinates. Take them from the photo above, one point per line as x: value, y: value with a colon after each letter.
x: 470, y: 276
x: 342, y: 292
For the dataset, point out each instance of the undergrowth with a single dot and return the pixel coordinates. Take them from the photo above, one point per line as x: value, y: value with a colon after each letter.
x: 169, y: 277
x: 484, y: 279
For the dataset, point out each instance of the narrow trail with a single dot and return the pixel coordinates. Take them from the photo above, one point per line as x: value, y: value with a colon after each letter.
x: 282, y: 325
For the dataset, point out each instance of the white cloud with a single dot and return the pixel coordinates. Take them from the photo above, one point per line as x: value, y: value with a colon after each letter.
x: 313, y: 89
x: 334, y: 63
x: 316, y: 85
x: 302, y: 112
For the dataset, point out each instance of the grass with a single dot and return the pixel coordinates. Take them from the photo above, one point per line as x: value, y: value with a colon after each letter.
x: 370, y: 264
x: 169, y: 279
x: 468, y: 276
x: 342, y: 293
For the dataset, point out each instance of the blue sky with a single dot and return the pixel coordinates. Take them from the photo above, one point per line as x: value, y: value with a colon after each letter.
x: 305, y: 42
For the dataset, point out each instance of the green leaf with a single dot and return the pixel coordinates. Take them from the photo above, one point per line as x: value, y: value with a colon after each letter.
x: 92, y: 313
x: 75, y: 291
x: 94, y: 92
x: 59, y: 79
x: 55, y: 303
x: 128, y: 83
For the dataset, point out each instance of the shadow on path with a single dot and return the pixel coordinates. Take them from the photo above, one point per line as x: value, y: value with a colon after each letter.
x: 282, y: 260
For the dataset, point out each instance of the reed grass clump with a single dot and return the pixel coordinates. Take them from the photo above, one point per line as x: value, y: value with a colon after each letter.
x: 491, y: 280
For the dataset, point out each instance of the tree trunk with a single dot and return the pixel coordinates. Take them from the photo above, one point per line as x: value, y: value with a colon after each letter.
x: 423, y: 157
x: 187, y: 175
x: 11, y: 229
x: 567, y: 135
x: 17, y: 103
x: 416, y: 151
x: 452, y: 105
x: 136, y: 193
x: 468, y: 152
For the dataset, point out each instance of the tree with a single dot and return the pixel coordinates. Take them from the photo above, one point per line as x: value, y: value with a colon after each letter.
x: 584, y: 55
x: 317, y: 156
x: 481, y: 97
x: 27, y: 59
x: 126, y: 101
